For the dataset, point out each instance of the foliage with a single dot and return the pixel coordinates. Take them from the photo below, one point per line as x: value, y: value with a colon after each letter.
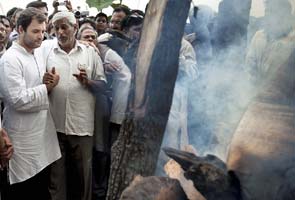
x: 99, y: 4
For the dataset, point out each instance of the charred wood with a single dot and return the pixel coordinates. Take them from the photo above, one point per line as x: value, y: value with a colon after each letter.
x: 141, y: 134
x: 154, y: 188
x: 209, y: 175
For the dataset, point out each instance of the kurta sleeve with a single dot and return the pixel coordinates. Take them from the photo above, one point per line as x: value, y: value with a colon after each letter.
x: 17, y: 93
x: 98, y: 71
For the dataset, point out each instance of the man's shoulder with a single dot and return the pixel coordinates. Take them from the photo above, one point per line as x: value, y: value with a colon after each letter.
x: 13, y: 51
x: 48, y: 43
x: 87, y: 49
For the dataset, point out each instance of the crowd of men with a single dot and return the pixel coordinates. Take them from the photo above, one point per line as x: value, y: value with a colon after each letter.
x: 64, y: 85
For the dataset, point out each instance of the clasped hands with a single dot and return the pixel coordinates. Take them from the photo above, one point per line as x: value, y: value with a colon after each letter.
x: 50, y: 79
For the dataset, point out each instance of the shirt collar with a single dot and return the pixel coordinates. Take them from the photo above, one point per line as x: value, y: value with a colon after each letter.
x: 78, y: 46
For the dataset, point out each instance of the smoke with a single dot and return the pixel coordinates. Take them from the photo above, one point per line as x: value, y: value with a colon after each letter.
x: 224, y: 87
x: 218, y: 99
x: 220, y: 95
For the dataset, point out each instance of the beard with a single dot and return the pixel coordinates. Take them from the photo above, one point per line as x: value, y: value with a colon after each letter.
x: 32, y: 43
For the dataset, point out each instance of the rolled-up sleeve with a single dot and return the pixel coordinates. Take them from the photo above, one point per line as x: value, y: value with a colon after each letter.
x: 17, y: 93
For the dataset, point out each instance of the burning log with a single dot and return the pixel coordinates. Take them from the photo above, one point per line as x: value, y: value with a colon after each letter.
x: 209, y: 175
x: 153, y: 188
x: 262, y: 151
x: 140, y: 138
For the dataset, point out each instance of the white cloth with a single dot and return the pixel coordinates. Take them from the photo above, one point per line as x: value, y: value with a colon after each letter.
x: 104, y: 37
x: 176, y: 134
x: 121, y: 86
x: 26, y: 117
x: 71, y: 104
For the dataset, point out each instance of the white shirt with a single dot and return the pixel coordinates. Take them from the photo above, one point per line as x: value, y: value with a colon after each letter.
x: 71, y: 104
x: 26, y: 117
x: 121, y: 86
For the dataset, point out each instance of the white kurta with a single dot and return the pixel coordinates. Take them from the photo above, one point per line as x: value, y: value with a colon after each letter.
x: 176, y: 134
x: 27, y: 119
x: 71, y: 104
x: 121, y: 86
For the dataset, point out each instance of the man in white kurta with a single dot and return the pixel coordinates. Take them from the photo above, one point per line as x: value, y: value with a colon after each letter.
x: 26, y: 116
x: 176, y: 133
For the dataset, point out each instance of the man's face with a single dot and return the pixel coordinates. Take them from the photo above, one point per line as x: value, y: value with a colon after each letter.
x: 44, y: 11
x: 115, y: 22
x: 101, y: 23
x: 33, y: 36
x: 134, y: 32
x: 88, y: 35
x: 3, y: 33
x: 65, y: 32
x: 6, y: 23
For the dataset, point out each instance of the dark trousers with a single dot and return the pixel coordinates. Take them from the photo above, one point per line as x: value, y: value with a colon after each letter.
x: 35, y: 188
x: 101, y: 165
x: 71, y: 175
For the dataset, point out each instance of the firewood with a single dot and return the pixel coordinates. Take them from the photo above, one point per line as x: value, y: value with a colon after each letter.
x: 209, y: 175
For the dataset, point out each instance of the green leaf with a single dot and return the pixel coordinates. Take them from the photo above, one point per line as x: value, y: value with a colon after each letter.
x: 99, y: 4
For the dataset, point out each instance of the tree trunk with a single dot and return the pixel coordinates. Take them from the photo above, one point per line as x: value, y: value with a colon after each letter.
x: 138, y: 145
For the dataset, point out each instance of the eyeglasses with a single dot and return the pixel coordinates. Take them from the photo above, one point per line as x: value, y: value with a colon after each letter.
x: 115, y: 22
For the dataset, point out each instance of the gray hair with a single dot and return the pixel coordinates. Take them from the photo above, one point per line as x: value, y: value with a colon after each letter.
x: 64, y: 14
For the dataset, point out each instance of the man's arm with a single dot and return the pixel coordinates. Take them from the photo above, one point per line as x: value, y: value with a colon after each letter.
x: 6, y: 149
x: 16, y: 93
x: 95, y: 86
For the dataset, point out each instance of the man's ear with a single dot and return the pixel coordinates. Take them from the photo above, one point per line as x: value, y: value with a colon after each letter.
x: 76, y: 27
x: 20, y: 29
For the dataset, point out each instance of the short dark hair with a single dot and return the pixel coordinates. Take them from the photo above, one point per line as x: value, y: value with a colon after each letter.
x: 122, y: 8
x: 28, y: 15
x: 137, y: 12
x: 2, y: 17
x: 37, y: 4
x: 101, y: 14
x: 87, y: 20
x: 131, y: 20
x: 10, y: 12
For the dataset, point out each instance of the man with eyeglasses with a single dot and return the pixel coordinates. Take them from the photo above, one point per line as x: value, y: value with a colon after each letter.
x: 114, y: 36
x: 115, y: 67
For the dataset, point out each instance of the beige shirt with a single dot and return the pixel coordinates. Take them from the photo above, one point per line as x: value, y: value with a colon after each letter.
x: 71, y: 104
x: 264, y: 57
